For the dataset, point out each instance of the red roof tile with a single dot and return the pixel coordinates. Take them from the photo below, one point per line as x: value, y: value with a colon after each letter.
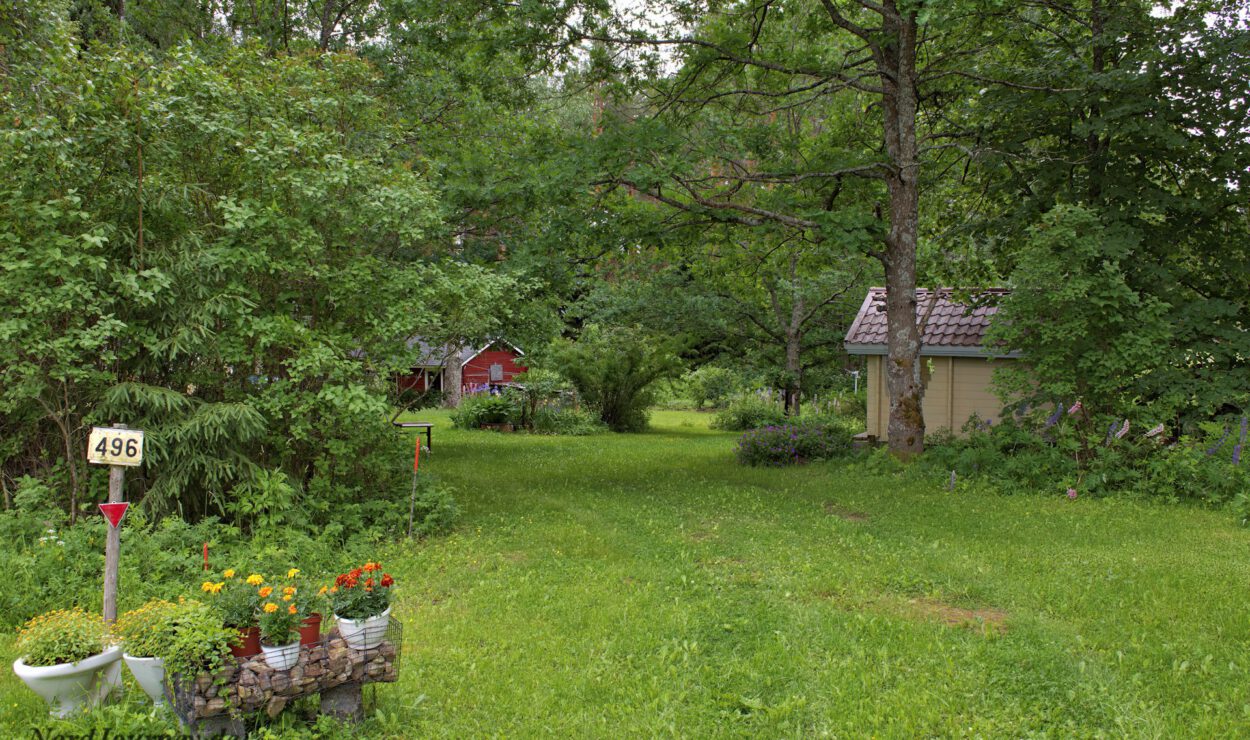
x: 950, y: 325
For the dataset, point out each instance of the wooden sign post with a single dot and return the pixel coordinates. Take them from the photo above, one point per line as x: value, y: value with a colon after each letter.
x: 119, y: 448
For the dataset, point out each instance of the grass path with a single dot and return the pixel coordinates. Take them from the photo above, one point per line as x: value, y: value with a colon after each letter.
x: 647, y: 585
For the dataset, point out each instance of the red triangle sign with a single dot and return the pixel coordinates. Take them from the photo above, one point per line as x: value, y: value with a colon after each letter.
x: 114, y: 512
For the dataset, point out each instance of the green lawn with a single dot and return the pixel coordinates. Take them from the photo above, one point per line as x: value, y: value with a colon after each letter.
x: 647, y: 585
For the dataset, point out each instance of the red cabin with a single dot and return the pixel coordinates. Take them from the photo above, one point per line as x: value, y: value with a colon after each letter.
x: 493, y: 364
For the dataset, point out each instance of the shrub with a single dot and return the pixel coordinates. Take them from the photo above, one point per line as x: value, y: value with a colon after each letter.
x: 711, y: 384
x: 614, y: 370
x: 750, y: 412
x: 62, y: 636
x: 573, y: 422
x: 434, y: 508
x: 791, y: 444
x: 198, y: 641
x: 484, y: 408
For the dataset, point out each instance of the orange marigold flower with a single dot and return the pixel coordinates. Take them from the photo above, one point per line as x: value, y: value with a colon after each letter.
x: 387, y: 581
x: 289, y: 590
x: 291, y: 609
x: 353, y: 573
x: 270, y: 608
x: 264, y: 592
x: 334, y: 589
x: 322, y: 592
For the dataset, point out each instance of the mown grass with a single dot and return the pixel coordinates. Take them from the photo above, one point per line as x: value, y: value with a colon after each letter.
x: 647, y: 585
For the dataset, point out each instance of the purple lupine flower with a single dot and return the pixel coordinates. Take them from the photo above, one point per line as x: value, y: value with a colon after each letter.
x: 1155, y: 431
x: 1227, y: 430
x: 1072, y: 494
x: 1075, y: 408
x: 1053, y: 419
x: 1110, y: 434
x: 1236, y: 454
x: 1123, y: 430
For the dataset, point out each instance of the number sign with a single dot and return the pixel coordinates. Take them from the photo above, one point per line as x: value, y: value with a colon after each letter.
x: 109, y: 446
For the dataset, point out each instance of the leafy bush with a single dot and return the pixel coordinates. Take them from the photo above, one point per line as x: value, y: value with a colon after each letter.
x: 435, y: 509
x: 711, y: 384
x: 749, y: 412
x: 790, y: 444
x: 568, y: 421
x: 62, y: 636
x: 1028, y: 456
x: 198, y: 641
x: 614, y: 370
x: 485, y: 408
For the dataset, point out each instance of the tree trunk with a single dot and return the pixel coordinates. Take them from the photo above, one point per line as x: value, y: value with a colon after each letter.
x: 903, y: 371
x: 453, y: 375
x: 794, y: 374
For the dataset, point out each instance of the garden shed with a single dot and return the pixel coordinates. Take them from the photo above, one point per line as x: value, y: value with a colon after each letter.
x: 958, y: 367
x: 494, y: 363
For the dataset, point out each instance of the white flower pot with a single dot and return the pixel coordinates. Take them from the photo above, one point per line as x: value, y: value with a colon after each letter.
x: 281, y: 657
x: 150, y: 673
x: 364, y: 634
x: 70, y: 686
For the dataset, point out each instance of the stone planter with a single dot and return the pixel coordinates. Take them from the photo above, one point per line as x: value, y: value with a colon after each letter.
x: 150, y: 673
x: 281, y: 657
x: 210, y: 704
x: 70, y: 686
x: 364, y: 634
x: 310, y: 630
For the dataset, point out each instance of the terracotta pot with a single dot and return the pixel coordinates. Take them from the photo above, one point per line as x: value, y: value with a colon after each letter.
x: 310, y: 630
x: 248, y: 644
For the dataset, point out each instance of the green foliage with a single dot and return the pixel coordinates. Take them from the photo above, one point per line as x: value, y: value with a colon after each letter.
x: 235, y: 597
x: 748, y: 412
x: 62, y: 636
x: 712, y: 384
x: 435, y: 509
x: 1086, y: 333
x: 613, y: 369
x: 487, y: 408
x: 566, y: 421
x: 145, y: 632
x: 792, y: 444
x: 198, y: 641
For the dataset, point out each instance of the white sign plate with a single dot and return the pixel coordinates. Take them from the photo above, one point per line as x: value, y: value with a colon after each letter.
x: 109, y: 446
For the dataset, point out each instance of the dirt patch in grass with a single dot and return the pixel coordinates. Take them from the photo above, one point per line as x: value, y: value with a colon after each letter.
x: 833, y: 509
x: 950, y: 615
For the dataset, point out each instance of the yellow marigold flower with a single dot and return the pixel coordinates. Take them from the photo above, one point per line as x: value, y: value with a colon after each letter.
x: 270, y: 608
x: 289, y: 590
x: 291, y: 609
x: 292, y: 573
x: 207, y: 587
x: 286, y: 597
x: 218, y: 586
x: 255, y: 580
x: 322, y: 592
x: 264, y: 592
x: 229, y: 573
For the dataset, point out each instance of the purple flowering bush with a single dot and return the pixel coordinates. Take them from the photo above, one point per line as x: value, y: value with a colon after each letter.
x: 792, y: 444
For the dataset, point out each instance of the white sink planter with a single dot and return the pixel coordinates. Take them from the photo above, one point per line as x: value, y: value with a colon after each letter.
x: 69, y: 686
x: 364, y: 634
x: 150, y: 673
x: 281, y: 657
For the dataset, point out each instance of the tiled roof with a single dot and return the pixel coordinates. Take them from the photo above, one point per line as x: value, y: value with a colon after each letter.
x: 952, y: 328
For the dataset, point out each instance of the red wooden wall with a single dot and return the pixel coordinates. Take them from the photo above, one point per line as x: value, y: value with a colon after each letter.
x: 477, y: 370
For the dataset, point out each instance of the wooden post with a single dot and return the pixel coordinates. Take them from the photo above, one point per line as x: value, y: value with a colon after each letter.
x: 113, y: 543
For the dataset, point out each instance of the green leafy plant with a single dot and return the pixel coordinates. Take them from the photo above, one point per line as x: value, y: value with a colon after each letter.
x: 361, y: 592
x: 235, y: 598
x: 791, y: 444
x: 486, y: 408
x: 749, y: 412
x: 62, y: 636
x: 198, y: 642
x: 145, y: 632
x: 566, y: 421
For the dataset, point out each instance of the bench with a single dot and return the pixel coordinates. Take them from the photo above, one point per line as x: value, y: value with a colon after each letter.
x: 419, y: 425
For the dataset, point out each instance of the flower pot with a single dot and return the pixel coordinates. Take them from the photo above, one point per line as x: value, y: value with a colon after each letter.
x: 310, y: 630
x: 150, y: 673
x: 248, y: 644
x: 281, y: 657
x: 364, y: 634
x: 70, y: 686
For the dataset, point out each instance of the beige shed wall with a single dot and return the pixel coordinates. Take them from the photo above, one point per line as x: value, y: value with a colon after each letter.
x: 958, y: 387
